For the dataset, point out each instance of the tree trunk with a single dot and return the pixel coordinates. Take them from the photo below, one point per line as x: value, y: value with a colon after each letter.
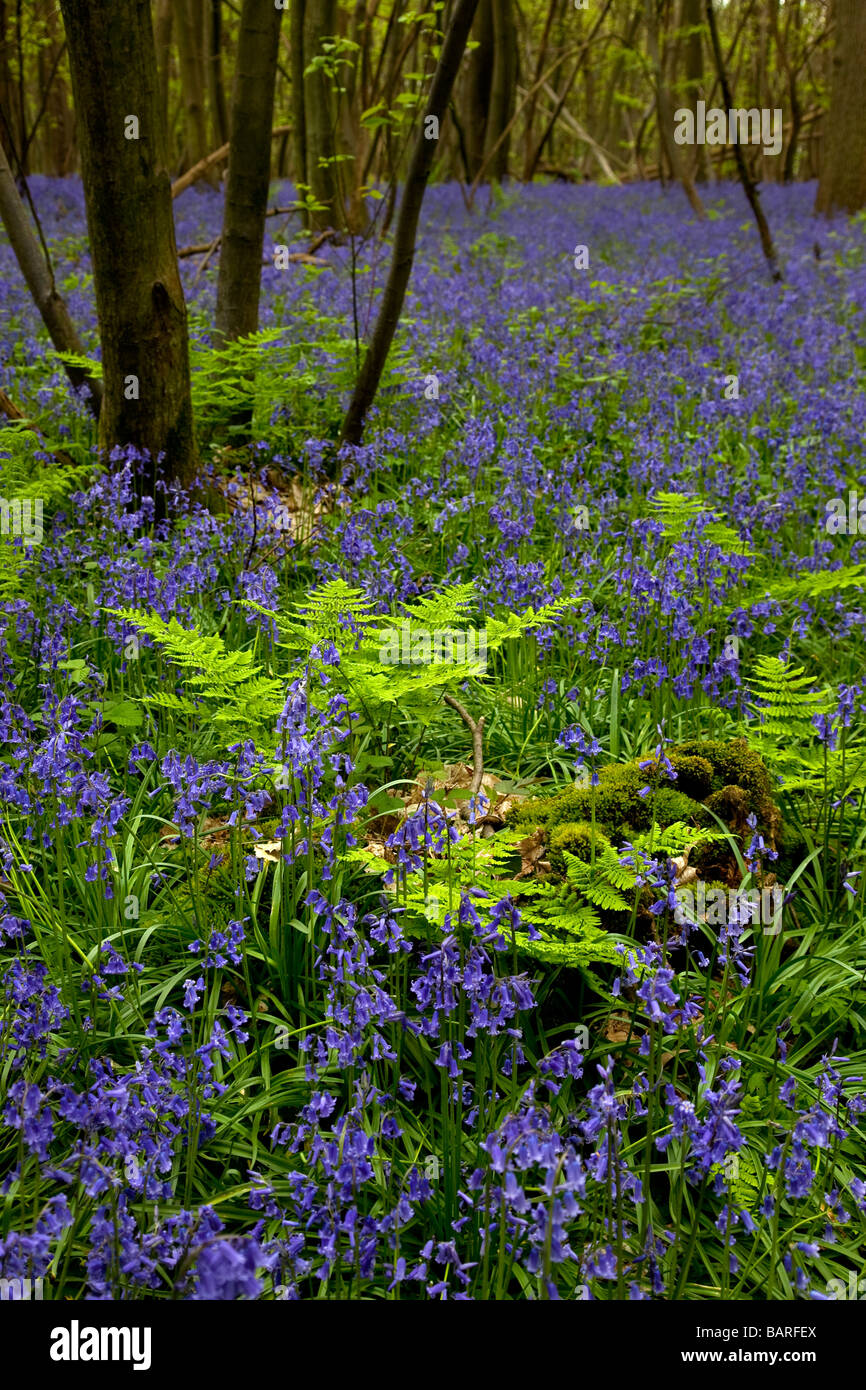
x: 353, y: 133
x: 559, y: 107
x: 215, y: 88
x: 189, y: 47
x: 665, y: 115
x: 693, y: 20
x: 139, y: 298
x: 162, y: 27
x: 453, y: 47
x: 40, y: 282
x: 842, y: 185
x: 478, y: 83
x: 541, y: 61
x: 320, y: 22
x: 503, y: 88
x: 8, y: 99
x: 19, y: 122
x: 751, y: 192
x: 58, y: 124
x: 299, y: 134
x: 240, y: 270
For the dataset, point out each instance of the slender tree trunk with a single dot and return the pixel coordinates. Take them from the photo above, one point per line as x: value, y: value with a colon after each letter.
x: 503, y: 87
x: 320, y: 22
x: 451, y: 54
x: 547, y: 136
x: 842, y: 186
x: 240, y: 271
x: 353, y: 132
x: 693, y: 20
x: 540, y: 64
x: 162, y: 28
x: 299, y: 133
x: 665, y: 115
x: 189, y: 46
x: 751, y: 192
x: 40, y: 281
x: 139, y: 298
x: 19, y: 92
x: 793, y: 94
x: 58, y: 123
x: 8, y: 99
x: 477, y: 86
x: 215, y: 86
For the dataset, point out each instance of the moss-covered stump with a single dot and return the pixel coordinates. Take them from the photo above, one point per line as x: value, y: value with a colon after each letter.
x: 726, y: 778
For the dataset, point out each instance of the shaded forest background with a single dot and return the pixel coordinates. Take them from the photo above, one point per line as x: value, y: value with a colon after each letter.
x: 355, y: 99
x: 547, y: 88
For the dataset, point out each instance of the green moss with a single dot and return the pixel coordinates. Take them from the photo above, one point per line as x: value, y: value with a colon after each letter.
x: 694, y: 775
x: 733, y: 764
x: 673, y: 805
x: 577, y: 839
x: 728, y: 778
x: 620, y: 810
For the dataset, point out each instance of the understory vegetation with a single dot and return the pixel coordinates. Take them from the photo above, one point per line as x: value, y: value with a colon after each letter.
x: 386, y: 856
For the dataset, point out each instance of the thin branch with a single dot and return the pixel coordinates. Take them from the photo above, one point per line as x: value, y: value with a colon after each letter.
x: 219, y: 156
x: 476, y: 729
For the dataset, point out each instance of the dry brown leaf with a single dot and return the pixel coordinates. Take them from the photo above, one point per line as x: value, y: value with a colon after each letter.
x: 531, y: 851
x: 617, y: 1029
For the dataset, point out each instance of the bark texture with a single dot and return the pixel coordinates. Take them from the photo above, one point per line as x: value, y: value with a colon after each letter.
x: 240, y: 271
x: 842, y: 185
x: 139, y: 298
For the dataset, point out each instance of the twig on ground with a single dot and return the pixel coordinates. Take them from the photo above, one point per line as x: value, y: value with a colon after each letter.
x: 477, y: 731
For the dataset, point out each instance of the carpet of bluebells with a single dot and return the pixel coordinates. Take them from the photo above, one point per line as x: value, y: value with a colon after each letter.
x: 238, y: 1060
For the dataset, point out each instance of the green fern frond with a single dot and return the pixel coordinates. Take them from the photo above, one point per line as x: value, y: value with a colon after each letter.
x: 679, y: 513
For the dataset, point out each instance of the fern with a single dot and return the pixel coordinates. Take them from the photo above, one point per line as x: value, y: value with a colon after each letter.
x: 601, y: 883
x: 341, y: 615
x: 246, y: 702
x: 815, y: 585
x: 679, y: 514
x: 567, y: 915
x: 243, y: 701
x: 785, y: 703
x: 674, y: 839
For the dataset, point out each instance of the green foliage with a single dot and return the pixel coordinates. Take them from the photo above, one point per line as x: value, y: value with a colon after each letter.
x: 29, y: 476
x: 370, y: 671
x: 616, y: 803
x: 674, y: 839
x: 679, y: 514
x: 568, y: 917
x: 241, y: 702
x: 784, y: 701
x: 576, y: 839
